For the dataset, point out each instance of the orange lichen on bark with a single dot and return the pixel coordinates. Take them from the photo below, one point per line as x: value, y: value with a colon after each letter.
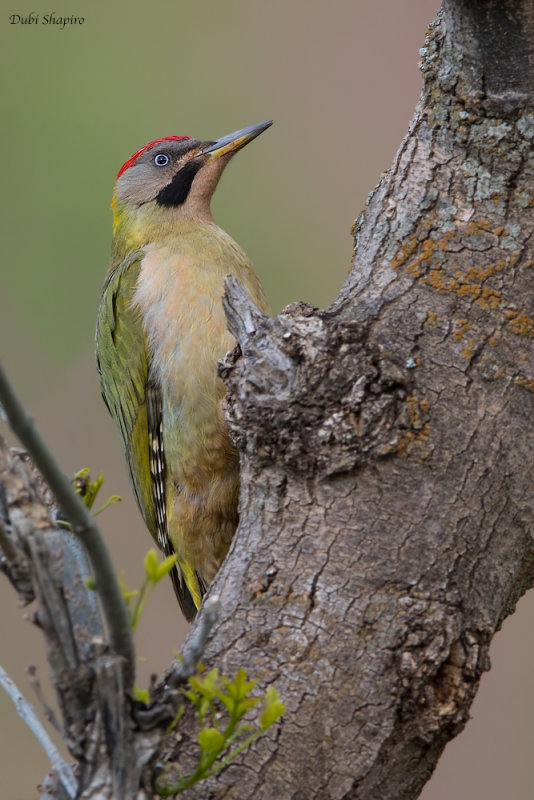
x: 476, y: 225
x: 432, y: 319
x: 526, y: 383
x: 445, y: 239
x: 415, y: 439
x: 404, y: 252
x: 490, y: 299
x: 469, y: 349
x: 428, y: 247
x: 462, y: 326
x: 414, y: 442
x: 427, y: 260
x: 520, y: 324
x: 480, y: 274
x: 438, y: 279
x: 414, y: 412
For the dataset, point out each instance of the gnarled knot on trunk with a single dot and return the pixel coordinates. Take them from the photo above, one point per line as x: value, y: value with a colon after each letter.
x: 324, y: 393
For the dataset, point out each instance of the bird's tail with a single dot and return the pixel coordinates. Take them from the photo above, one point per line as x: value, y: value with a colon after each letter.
x: 188, y: 586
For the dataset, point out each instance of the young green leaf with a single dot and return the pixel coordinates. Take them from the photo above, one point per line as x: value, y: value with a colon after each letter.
x: 227, y: 701
x: 211, y: 740
x: 114, y: 498
x: 273, y: 710
x: 165, y: 567
x: 143, y: 695
x: 239, y: 687
x: 223, y: 702
x: 172, y: 725
x: 243, y: 706
x: 151, y: 565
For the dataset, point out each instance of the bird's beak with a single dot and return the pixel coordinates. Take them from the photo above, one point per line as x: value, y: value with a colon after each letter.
x: 234, y: 141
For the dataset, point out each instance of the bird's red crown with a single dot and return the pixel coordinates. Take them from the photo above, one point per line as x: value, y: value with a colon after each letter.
x: 131, y: 161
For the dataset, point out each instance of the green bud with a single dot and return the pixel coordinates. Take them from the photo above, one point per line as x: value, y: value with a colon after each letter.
x: 151, y: 565
x: 211, y: 740
x: 143, y: 695
x: 274, y: 708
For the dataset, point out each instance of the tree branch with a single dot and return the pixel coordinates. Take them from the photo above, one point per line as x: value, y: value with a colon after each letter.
x: 196, y: 644
x: 82, y: 522
x: 27, y: 713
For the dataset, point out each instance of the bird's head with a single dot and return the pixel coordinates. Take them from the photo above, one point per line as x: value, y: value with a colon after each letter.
x: 178, y: 172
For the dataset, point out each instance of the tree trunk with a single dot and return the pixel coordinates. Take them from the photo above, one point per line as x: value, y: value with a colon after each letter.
x: 387, y: 448
x: 386, y: 451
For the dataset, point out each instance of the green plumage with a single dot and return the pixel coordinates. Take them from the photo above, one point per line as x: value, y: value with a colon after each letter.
x: 123, y: 367
x: 134, y: 404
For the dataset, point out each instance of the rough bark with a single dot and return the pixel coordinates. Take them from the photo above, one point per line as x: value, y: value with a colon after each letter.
x: 387, y: 452
x: 387, y: 447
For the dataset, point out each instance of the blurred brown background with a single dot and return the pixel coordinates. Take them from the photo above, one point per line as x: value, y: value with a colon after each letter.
x: 341, y: 80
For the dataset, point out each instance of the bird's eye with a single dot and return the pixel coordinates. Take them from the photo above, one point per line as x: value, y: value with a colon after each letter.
x: 161, y: 160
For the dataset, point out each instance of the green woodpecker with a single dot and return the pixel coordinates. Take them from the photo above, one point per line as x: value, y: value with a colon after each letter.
x: 160, y: 332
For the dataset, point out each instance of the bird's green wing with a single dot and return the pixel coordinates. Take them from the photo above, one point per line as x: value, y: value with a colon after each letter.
x: 122, y: 361
x: 134, y: 402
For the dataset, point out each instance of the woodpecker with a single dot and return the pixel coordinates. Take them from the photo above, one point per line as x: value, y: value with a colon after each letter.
x: 160, y: 332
